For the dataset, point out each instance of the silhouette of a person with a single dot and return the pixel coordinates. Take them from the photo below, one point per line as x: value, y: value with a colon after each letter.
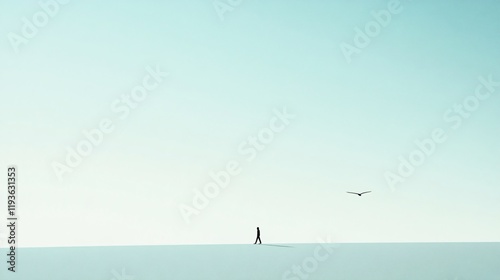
x: 258, y: 236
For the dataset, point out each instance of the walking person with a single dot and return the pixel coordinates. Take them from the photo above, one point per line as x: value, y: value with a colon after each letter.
x: 258, y: 236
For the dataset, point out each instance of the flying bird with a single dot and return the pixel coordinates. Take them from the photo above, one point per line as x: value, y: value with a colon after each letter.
x: 360, y: 194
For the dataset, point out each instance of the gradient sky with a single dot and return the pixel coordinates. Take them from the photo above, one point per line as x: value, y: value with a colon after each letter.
x: 352, y: 121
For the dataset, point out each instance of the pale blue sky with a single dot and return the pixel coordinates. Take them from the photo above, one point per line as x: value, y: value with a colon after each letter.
x: 352, y: 121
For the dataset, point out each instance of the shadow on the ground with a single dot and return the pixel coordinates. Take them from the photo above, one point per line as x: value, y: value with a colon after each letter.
x: 285, y: 246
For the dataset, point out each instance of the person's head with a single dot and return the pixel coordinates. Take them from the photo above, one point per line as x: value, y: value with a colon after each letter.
x: 257, y: 227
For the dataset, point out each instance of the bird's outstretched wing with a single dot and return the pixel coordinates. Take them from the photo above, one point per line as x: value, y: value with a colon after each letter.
x: 353, y: 193
x: 366, y: 192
